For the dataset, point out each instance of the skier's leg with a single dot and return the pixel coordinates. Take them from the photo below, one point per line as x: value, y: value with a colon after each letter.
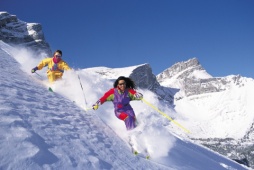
x: 130, y: 122
x: 51, y: 76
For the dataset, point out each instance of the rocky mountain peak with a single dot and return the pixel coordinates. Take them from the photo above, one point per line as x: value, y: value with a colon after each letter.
x: 180, y: 70
x: 144, y: 78
x: 192, y: 79
x: 16, y: 32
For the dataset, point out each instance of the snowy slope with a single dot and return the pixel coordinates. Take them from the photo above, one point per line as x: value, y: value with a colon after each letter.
x: 44, y: 130
x: 227, y: 114
x: 112, y: 73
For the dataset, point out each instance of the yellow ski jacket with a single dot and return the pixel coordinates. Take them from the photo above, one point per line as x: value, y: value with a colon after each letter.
x: 55, y: 70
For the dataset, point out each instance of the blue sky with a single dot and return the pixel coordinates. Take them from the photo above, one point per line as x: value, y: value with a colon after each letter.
x: 121, y: 33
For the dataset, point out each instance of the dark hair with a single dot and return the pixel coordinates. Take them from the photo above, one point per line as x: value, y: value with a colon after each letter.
x: 129, y: 82
x: 58, y: 51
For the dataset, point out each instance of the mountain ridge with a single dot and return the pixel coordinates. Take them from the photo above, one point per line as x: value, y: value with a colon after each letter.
x: 17, y: 32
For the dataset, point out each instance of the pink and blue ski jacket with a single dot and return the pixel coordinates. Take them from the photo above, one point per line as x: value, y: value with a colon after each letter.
x: 121, y: 101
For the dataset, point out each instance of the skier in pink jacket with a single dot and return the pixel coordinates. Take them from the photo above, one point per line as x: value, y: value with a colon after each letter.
x: 121, y: 95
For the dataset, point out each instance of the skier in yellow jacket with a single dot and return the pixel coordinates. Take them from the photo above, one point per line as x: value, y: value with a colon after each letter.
x: 56, y: 66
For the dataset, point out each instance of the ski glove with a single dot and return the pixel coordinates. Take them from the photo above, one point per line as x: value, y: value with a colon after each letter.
x: 34, y: 69
x: 138, y: 96
x: 96, y: 105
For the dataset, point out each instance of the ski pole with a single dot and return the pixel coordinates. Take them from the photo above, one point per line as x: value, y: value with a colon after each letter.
x: 86, y: 109
x: 165, y: 115
x: 38, y: 74
x: 82, y: 89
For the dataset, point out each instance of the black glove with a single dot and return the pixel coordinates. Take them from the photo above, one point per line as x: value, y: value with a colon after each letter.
x: 34, y: 69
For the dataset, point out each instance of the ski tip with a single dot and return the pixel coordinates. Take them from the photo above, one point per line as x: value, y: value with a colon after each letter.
x: 50, y: 89
x: 141, y: 155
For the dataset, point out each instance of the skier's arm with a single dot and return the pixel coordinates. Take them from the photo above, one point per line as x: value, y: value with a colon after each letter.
x: 43, y: 63
x: 134, y: 95
x: 65, y: 66
x: 108, y: 96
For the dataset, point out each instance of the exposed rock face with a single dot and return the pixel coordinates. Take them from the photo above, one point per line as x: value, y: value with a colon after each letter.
x: 16, y: 32
x: 201, y: 86
x: 144, y: 78
x: 194, y: 79
x: 181, y: 70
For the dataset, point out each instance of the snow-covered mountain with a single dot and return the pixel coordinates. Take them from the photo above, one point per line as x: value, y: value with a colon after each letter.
x: 219, y: 109
x: 44, y: 130
x: 15, y: 31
